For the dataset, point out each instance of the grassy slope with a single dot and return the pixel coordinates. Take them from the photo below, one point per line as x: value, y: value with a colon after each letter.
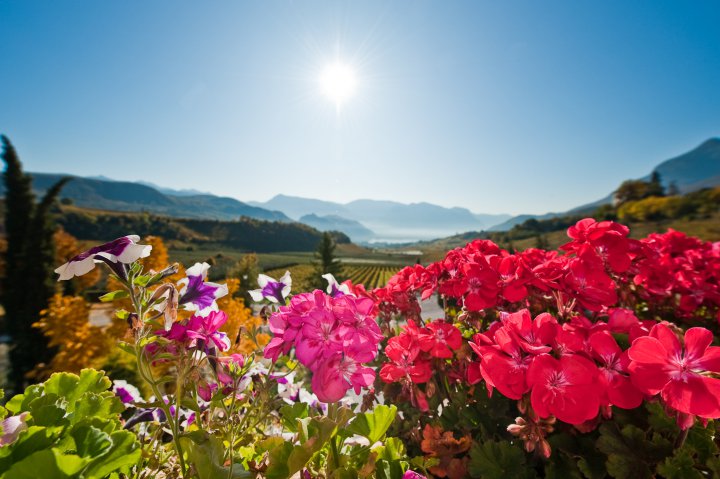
x: 707, y: 229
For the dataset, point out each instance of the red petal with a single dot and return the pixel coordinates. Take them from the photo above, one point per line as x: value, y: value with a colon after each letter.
x: 602, y: 344
x: 668, y: 338
x: 540, y: 368
x: 648, y: 379
x: 698, y: 396
x: 697, y: 341
x: 711, y: 359
x: 648, y: 350
x: 578, y: 369
x: 623, y: 394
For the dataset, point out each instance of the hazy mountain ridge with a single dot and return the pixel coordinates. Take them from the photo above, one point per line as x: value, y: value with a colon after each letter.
x: 364, y: 220
x: 354, y: 229
x: 389, y: 220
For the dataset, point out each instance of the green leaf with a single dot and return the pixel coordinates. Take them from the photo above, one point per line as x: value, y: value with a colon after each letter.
x: 373, y: 424
x: 701, y: 440
x: 659, y: 420
x: 123, y: 453
x: 47, y: 410
x: 112, y: 296
x: 21, y: 402
x: 90, y: 441
x: 206, y: 454
x: 321, y: 428
x: 278, y: 452
x: 290, y: 414
x: 48, y: 463
x: 36, y: 438
x: 679, y: 466
x: 630, y: 453
x: 105, y: 405
x: 561, y: 466
x: 498, y: 460
x: 392, y: 450
x: 72, y: 387
x: 389, y: 469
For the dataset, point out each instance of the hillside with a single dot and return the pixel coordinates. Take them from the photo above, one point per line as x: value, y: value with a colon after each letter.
x: 691, y: 171
x: 245, y: 234
x: 129, y: 196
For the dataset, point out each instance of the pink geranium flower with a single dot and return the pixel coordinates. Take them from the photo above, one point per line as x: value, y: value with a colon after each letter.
x: 337, y: 374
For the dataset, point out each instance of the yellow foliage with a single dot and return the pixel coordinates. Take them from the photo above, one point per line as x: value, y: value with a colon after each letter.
x: 652, y: 208
x: 66, y: 322
x: 241, y: 325
x: 158, y: 259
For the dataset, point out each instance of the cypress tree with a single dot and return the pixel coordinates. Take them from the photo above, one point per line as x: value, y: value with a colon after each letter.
x: 30, y: 258
x: 325, y: 261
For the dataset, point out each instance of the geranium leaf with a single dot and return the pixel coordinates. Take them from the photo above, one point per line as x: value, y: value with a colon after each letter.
x: 46, y: 463
x: 679, y: 466
x: 498, y: 460
x: 373, y: 424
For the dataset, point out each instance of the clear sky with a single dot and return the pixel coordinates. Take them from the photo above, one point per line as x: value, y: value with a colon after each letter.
x: 497, y: 106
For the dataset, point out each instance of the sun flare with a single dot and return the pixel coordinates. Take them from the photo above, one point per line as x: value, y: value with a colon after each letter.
x: 338, y: 83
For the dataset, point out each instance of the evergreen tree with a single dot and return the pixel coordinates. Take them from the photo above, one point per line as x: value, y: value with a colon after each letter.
x: 325, y: 261
x: 655, y: 187
x: 30, y: 258
x: 541, y: 242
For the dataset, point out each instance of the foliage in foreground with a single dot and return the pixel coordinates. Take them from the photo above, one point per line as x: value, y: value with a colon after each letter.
x: 68, y: 426
x: 596, y: 362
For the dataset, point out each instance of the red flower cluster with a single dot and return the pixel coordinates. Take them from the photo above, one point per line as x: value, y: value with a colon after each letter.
x: 412, y: 351
x: 680, y: 272
x: 569, y: 365
x: 601, y: 267
x: 569, y: 370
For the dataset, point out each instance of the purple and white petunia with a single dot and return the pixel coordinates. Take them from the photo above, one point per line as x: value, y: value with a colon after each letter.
x: 196, y: 294
x: 334, y: 288
x: 115, y: 254
x: 127, y: 393
x: 11, y: 428
x: 272, y: 290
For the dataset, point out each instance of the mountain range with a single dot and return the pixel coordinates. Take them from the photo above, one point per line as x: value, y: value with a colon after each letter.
x: 389, y: 221
x: 698, y: 168
x: 364, y: 220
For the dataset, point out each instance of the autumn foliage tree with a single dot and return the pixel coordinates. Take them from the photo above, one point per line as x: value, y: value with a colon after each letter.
x: 79, y: 344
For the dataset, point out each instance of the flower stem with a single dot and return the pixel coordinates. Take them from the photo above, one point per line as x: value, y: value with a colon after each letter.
x: 680, y: 440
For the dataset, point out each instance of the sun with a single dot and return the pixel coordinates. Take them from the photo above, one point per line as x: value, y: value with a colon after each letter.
x: 338, y: 83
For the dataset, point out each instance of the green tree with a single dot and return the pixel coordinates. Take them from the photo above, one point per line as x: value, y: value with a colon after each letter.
x: 325, y: 261
x: 28, y: 283
x: 655, y: 187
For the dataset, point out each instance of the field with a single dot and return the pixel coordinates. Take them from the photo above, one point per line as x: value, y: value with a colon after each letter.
x: 369, y: 275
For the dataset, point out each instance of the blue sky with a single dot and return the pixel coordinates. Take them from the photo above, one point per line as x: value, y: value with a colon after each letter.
x: 512, y: 107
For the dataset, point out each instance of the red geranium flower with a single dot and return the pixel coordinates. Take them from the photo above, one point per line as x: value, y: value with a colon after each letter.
x: 660, y: 365
x: 617, y: 389
x: 440, y: 339
x: 565, y: 388
x: 405, y: 361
